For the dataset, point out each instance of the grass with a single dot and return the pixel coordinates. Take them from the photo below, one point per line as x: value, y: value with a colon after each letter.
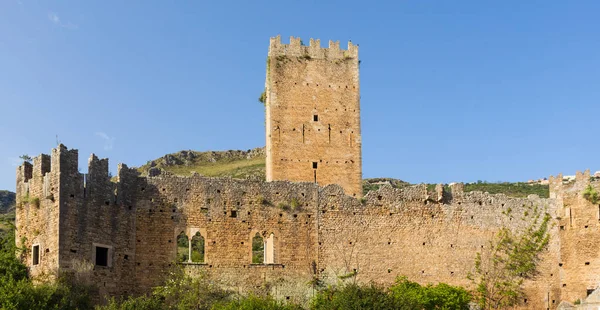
x: 216, y: 164
x: 518, y: 189
x: 236, y: 168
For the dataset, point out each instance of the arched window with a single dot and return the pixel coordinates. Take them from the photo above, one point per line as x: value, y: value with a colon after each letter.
x: 263, y: 249
x: 183, y: 247
x: 197, y: 248
x: 258, y: 249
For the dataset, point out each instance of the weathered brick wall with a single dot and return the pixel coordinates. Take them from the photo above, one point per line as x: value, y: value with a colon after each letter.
x: 98, y: 212
x: 229, y: 213
x: 319, y: 231
x: 37, y: 215
x: 407, y: 232
x: 313, y: 114
x: 579, y: 223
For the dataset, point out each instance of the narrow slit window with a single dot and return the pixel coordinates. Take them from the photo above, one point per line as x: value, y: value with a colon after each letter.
x: 35, y: 255
x: 302, y: 133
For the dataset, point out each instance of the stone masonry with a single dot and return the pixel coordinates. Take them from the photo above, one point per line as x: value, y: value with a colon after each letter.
x: 122, y: 233
x: 313, y: 114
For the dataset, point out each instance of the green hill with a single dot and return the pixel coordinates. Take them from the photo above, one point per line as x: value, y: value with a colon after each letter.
x: 235, y: 164
x: 7, y: 208
x: 517, y: 189
x: 7, y: 201
x: 251, y: 164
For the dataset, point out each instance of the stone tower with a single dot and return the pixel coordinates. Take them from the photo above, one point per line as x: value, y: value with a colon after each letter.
x: 313, y: 114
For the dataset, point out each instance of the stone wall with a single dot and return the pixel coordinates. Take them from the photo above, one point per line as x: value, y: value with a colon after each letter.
x: 37, y: 214
x: 319, y: 232
x: 313, y: 114
x: 579, y: 232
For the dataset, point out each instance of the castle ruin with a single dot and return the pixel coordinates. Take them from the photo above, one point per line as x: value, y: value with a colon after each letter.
x: 313, y: 114
x: 123, y: 233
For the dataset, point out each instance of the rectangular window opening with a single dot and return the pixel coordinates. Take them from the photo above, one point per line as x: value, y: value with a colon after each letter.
x: 233, y: 213
x: 315, y: 164
x: 101, y: 256
x: 315, y: 118
x: 35, y: 252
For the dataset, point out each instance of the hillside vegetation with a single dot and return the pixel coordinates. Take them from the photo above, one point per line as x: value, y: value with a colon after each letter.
x: 7, y: 209
x: 518, y: 189
x: 7, y: 201
x: 234, y: 164
x: 251, y: 164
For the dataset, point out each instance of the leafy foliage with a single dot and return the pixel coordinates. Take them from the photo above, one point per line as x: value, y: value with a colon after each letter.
x: 263, y: 97
x: 26, y: 158
x: 7, y: 201
x: 255, y: 302
x: 590, y: 194
x: 180, y: 291
x: 511, y: 258
x: 439, y: 296
x: 404, y: 294
x: 18, y: 292
x: 353, y: 296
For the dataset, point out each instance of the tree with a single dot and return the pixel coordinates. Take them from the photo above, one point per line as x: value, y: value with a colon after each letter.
x: 26, y: 158
x: 511, y: 258
x: 263, y: 97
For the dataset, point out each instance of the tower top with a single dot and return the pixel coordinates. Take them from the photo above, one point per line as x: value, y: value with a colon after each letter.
x: 313, y: 50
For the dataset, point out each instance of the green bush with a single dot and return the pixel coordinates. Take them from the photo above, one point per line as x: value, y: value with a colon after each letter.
x: 263, y: 97
x: 403, y: 294
x: 518, y: 189
x: 590, y: 194
x: 353, y: 296
x: 18, y: 292
x: 440, y: 296
x: 138, y: 303
x: 254, y: 303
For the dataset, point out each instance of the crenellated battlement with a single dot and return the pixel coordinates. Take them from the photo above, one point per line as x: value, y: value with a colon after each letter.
x: 313, y: 50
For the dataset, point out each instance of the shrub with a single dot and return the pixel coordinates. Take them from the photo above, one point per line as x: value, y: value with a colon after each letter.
x: 353, y: 296
x: 590, y: 194
x: 261, y: 200
x: 295, y: 204
x: 511, y: 258
x: 263, y: 97
x: 18, y: 292
x: 255, y: 302
x: 404, y: 294
x: 138, y: 303
x: 283, y: 206
x: 440, y: 296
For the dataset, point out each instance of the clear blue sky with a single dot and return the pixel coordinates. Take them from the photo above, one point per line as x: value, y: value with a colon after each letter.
x: 451, y: 90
